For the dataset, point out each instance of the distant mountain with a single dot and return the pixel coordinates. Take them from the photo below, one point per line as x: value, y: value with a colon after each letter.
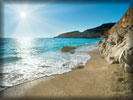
x: 96, y: 32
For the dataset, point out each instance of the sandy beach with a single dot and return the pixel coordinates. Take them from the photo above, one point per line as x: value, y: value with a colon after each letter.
x: 98, y: 80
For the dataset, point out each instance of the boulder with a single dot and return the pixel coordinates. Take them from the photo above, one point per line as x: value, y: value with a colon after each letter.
x: 67, y: 49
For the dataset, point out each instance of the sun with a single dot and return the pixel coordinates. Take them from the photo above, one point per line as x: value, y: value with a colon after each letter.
x: 23, y: 15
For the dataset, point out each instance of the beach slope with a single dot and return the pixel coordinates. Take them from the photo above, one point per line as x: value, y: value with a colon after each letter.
x: 96, y: 81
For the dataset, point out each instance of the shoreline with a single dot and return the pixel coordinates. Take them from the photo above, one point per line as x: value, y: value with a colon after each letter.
x: 96, y: 79
x: 47, y: 77
x: 10, y: 81
x: 76, y: 67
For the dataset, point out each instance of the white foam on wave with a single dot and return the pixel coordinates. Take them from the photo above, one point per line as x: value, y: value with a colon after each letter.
x: 45, y: 64
x: 32, y: 68
x: 87, y: 47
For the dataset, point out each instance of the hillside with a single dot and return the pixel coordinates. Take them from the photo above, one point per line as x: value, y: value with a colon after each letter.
x: 118, y: 45
x: 96, y: 32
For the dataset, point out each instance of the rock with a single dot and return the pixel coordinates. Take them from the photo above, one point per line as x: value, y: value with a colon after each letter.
x: 111, y: 48
x: 120, y: 79
x: 67, y: 49
x: 80, y: 67
x: 126, y: 59
x: 117, y: 47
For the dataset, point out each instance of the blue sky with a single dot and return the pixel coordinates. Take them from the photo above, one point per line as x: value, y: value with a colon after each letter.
x: 51, y: 19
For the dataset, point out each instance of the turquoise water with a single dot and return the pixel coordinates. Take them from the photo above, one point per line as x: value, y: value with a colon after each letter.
x: 27, y: 59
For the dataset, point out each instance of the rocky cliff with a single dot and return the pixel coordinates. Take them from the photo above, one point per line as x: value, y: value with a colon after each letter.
x: 89, y: 33
x: 117, y: 47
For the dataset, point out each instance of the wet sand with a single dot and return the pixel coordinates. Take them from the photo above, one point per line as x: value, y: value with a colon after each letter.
x: 98, y: 80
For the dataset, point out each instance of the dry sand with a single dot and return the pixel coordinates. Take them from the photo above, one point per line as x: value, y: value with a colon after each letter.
x: 96, y: 81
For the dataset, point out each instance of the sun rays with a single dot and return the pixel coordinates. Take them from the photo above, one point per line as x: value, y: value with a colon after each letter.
x: 38, y: 20
x: 23, y: 15
x: 29, y: 20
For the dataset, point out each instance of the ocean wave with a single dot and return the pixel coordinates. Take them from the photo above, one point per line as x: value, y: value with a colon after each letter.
x: 27, y: 70
x: 45, y: 59
x: 9, y: 59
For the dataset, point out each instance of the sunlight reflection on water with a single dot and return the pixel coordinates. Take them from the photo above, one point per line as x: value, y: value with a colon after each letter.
x: 34, y: 58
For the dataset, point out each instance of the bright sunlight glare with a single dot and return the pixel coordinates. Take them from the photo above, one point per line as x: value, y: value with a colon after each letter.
x: 31, y: 20
x: 25, y: 42
x: 23, y: 15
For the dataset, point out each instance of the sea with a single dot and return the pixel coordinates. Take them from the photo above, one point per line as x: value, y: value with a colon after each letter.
x: 27, y: 59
